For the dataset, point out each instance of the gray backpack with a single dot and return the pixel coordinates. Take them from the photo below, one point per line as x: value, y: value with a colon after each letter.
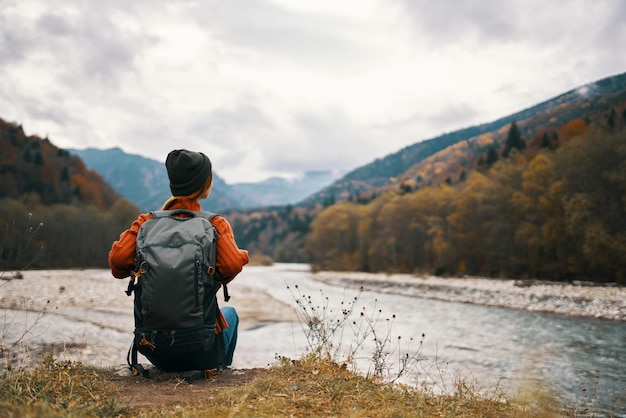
x: 175, y: 290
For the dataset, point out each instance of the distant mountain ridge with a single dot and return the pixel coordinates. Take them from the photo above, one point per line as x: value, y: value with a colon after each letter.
x: 277, y: 191
x: 141, y: 185
x: 380, y: 172
x: 144, y: 181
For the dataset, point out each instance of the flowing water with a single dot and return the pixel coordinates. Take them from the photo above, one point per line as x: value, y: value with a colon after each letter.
x: 580, y: 361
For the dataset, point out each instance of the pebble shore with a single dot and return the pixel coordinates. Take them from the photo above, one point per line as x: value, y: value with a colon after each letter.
x: 580, y: 300
x: 85, y: 315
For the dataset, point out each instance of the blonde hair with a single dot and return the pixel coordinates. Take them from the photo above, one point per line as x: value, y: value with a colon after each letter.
x: 193, y: 196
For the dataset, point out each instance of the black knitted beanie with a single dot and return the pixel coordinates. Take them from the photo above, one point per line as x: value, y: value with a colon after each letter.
x: 187, y: 171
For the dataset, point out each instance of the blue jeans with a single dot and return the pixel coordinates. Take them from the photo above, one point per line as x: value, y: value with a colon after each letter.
x: 230, y: 333
x: 210, y: 359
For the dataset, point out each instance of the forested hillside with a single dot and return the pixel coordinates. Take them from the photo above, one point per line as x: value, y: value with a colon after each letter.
x: 540, y: 197
x: 557, y: 216
x: 34, y: 166
x: 588, y: 103
x: 53, y: 211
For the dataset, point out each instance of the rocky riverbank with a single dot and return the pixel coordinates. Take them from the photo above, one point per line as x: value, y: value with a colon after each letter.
x: 85, y: 315
x: 580, y: 299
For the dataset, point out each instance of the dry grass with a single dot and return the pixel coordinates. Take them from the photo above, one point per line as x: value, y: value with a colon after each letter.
x: 58, y: 389
x: 299, y: 388
x: 314, y: 387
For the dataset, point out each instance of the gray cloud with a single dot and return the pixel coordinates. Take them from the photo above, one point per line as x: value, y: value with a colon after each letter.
x: 281, y: 87
x: 283, y: 35
x: 484, y: 23
x: 88, y: 46
x: 15, y: 41
x: 451, y: 22
x: 323, y: 140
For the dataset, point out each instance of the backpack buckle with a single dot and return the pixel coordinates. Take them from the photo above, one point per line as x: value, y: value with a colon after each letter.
x: 138, y: 370
x: 134, y: 278
x: 210, y: 374
x: 144, y: 342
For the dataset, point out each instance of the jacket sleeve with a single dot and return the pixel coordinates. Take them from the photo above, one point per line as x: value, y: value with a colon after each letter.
x: 122, y: 254
x: 230, y: 259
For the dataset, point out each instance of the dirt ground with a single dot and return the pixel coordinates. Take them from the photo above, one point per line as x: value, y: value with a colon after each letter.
x: 169, y: 389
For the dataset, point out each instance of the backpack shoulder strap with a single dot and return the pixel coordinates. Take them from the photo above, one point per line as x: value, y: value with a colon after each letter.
x: 170, y: 213
x: 204, y: 214
x: 160, y: 213
x: 216, y: 275
x: 173, y: 212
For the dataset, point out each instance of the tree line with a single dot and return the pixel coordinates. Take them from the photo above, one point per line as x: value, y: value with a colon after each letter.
x: 34, y: 235
x: 556, y: 213
x: 560, y: 215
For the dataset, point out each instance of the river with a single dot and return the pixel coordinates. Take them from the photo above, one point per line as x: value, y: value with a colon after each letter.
x: 580, y: 361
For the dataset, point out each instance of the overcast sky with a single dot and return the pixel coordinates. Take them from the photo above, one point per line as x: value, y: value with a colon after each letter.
x: 277, y: 87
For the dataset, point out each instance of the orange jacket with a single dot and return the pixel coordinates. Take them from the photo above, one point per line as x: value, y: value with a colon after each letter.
x: 229, y: 259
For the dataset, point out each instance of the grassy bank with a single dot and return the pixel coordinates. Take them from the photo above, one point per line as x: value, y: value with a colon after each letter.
x: 306, y: 387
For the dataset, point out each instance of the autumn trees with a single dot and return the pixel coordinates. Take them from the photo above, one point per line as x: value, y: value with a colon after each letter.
x: 60, y: 235
x: 54, y: 212
x: 560, y: 216
x: 31, y: 165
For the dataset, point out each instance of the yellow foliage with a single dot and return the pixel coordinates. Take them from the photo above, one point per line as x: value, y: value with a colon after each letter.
x: 484, y: 140
x: 526, y: 218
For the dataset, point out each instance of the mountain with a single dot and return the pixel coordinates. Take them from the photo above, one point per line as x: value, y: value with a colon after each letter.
x: 34, y: 169
x: 282, y: 233
x: 413, y: 165
x: 546, y: 125
x: 278, y: 191
x: 144, y: 181
x: 580, y: 102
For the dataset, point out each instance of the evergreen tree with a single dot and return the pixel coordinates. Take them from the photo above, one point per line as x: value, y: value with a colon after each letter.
x: 65, y: 174
x: 492, y: 157
x: 610, y: 119
x: 38, y: 158
x: 513, y: 140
